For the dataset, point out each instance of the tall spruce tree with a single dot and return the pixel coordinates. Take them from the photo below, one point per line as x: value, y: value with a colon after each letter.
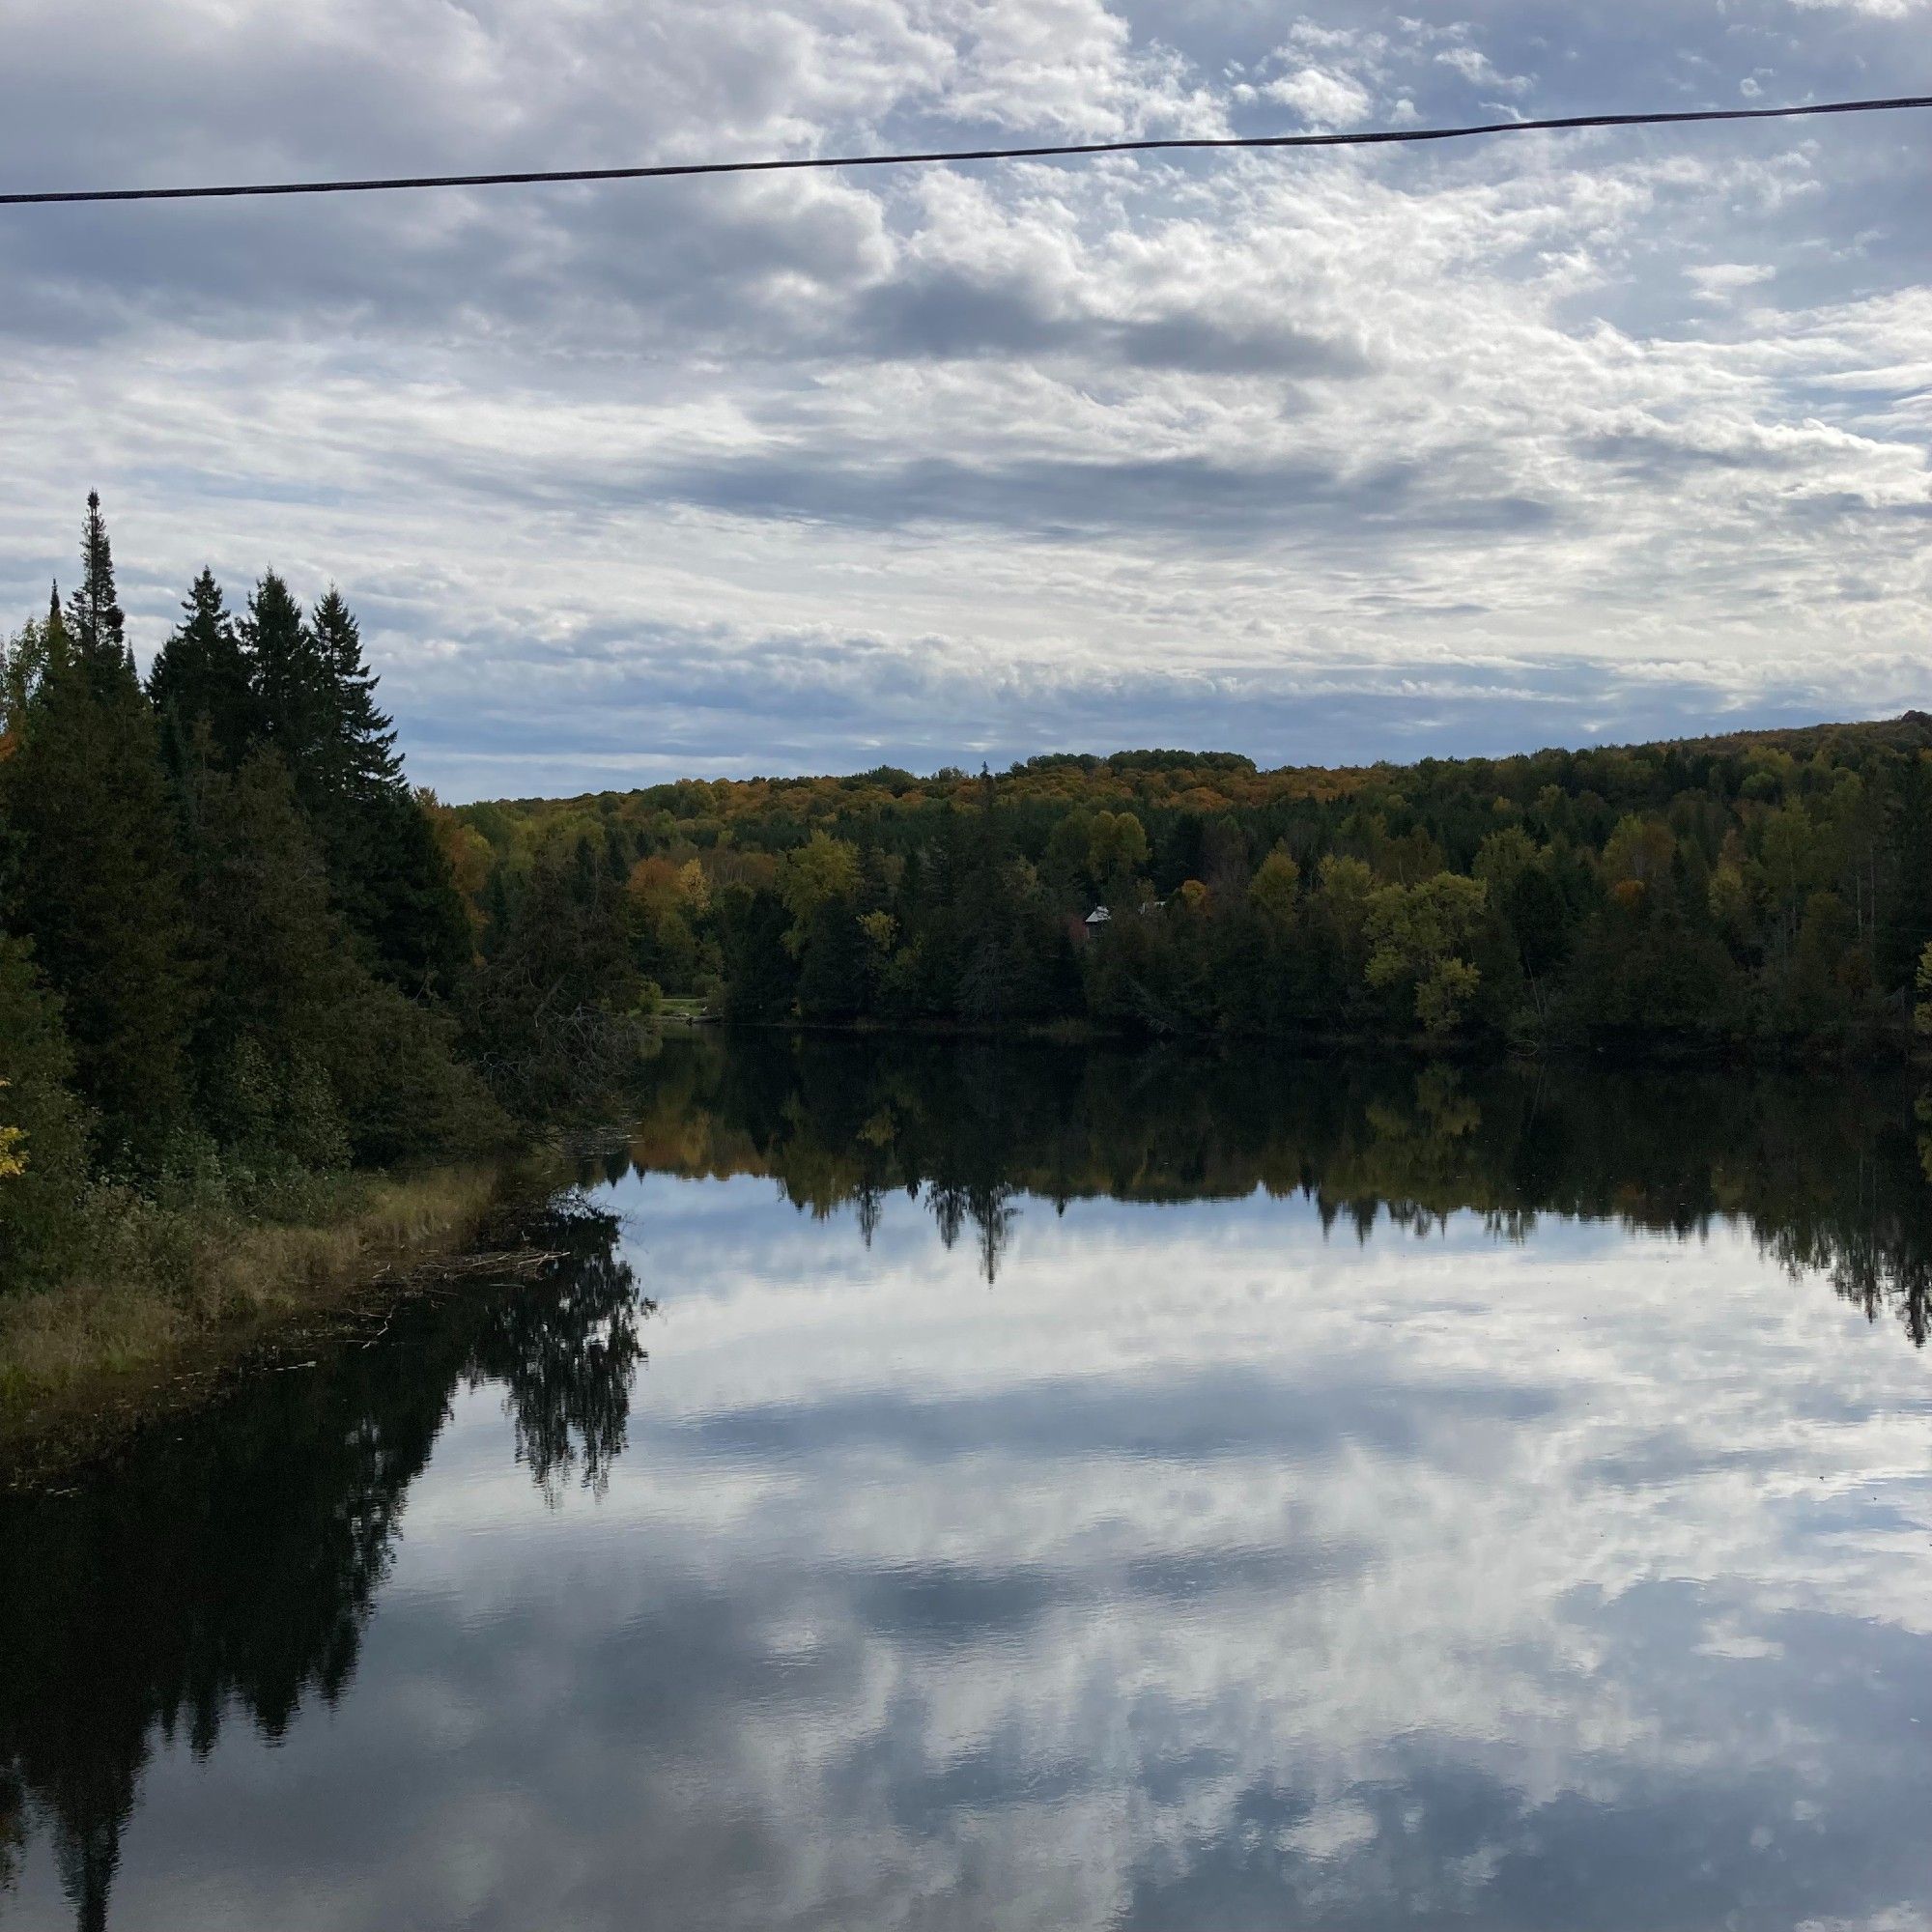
x: 359, y: 748
x: 95, y: 620
x: 403, y: 898
x: 96, y: 868
x: 201, y: 678
x: 391, y: 877
x: 291, y: 689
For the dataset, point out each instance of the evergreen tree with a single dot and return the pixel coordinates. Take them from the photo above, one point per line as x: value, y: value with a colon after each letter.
x: 292, y: 688
x: 540, y: 1017
x: 95, y: 621
x: 96, y: 880
x: 387, y: 873
x: 396, y: 887
x: 359, y: 750
x: 280, y: 980
x: 201, y: 677
x: 304, y: 1055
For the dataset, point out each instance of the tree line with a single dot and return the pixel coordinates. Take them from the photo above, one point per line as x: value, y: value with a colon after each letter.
x: 232, y: 951
x: 1771, y: 891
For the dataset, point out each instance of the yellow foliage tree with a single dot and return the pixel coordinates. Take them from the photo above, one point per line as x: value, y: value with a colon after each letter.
x: 12, y: 1161
x: 1418, y: 935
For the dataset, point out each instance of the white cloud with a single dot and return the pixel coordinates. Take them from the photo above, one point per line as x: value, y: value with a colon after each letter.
x: 1720, y: 281
x: 1479, y: 71
x: 1875, y: 10
x: 1084, y: 443
x: 1324, y: 99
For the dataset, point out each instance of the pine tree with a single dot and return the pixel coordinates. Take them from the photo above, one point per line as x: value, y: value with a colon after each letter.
x: 291, y: 689
x: 392, y: 878
x: 201, y: 677
x: 275, y: 964
x: 401, y: 896
x: 93, y: 617
x: 96, y: 873
x: 360, y: 752
x: 303, y: 1055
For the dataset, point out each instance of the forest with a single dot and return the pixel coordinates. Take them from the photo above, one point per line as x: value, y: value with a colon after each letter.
x: 234, y: 962
x: 241, y: 955
x: 1768, y: 892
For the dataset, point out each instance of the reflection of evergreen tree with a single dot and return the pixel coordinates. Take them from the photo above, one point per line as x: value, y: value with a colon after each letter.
x: 568, y: 1354
x: 233, y: 1564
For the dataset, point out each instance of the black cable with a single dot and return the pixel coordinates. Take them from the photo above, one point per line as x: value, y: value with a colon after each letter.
x: 1380, y: 137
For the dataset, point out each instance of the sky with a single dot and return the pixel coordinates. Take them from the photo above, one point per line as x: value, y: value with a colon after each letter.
x: 1549, y: 440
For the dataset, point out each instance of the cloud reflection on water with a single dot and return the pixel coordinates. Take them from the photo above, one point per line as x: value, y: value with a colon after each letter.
x: 1210, y: 1569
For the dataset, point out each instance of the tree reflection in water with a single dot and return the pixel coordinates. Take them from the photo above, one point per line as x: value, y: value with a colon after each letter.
x: 233, y: 1562
x: 1829, y: 1176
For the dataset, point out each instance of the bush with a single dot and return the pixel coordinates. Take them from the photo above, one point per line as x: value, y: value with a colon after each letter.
x: 40, y: 1204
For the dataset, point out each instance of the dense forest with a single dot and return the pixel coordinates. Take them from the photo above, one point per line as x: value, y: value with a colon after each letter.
x: 234, y: 957
x: 238, y: 951
x: 1771, y: 890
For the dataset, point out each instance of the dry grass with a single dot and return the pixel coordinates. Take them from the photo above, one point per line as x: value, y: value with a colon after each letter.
x: 71, y: 1356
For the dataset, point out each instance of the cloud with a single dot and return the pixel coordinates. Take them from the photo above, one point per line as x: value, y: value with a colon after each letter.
x: 1875, y: 10
x: 1577, y: 404
x: 1720, y: 281
x: 1322, y: 98
x: 1479, y: 71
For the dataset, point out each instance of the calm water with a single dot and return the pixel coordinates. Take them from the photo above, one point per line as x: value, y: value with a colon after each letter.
x: 952, y: 1489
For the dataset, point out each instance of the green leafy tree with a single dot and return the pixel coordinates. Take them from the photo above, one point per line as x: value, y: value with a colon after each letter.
x: 1921, y: 1013
x: 1275, y: 890
x: 1420, y: 937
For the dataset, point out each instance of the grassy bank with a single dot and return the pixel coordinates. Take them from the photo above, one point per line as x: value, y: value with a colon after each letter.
x: 182, y: 1295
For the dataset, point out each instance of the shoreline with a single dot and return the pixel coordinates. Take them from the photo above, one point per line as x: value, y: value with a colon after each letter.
x: 85, y: 1369
x: 1899, y: 1049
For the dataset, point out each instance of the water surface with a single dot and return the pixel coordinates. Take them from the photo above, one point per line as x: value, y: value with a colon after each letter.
x: 938, y: 1488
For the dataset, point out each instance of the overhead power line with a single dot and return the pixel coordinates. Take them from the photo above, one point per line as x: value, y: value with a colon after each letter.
x: 1384, y: 137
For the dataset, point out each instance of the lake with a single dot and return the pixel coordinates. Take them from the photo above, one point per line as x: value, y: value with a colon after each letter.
x: 937, y: 1487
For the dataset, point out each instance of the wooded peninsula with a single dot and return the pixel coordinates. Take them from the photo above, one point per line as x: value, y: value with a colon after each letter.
x: 263, y: 1003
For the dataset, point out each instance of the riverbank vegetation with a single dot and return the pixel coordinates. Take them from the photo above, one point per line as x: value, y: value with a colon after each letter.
x: 1770, y: 891
x: 238, y: 977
